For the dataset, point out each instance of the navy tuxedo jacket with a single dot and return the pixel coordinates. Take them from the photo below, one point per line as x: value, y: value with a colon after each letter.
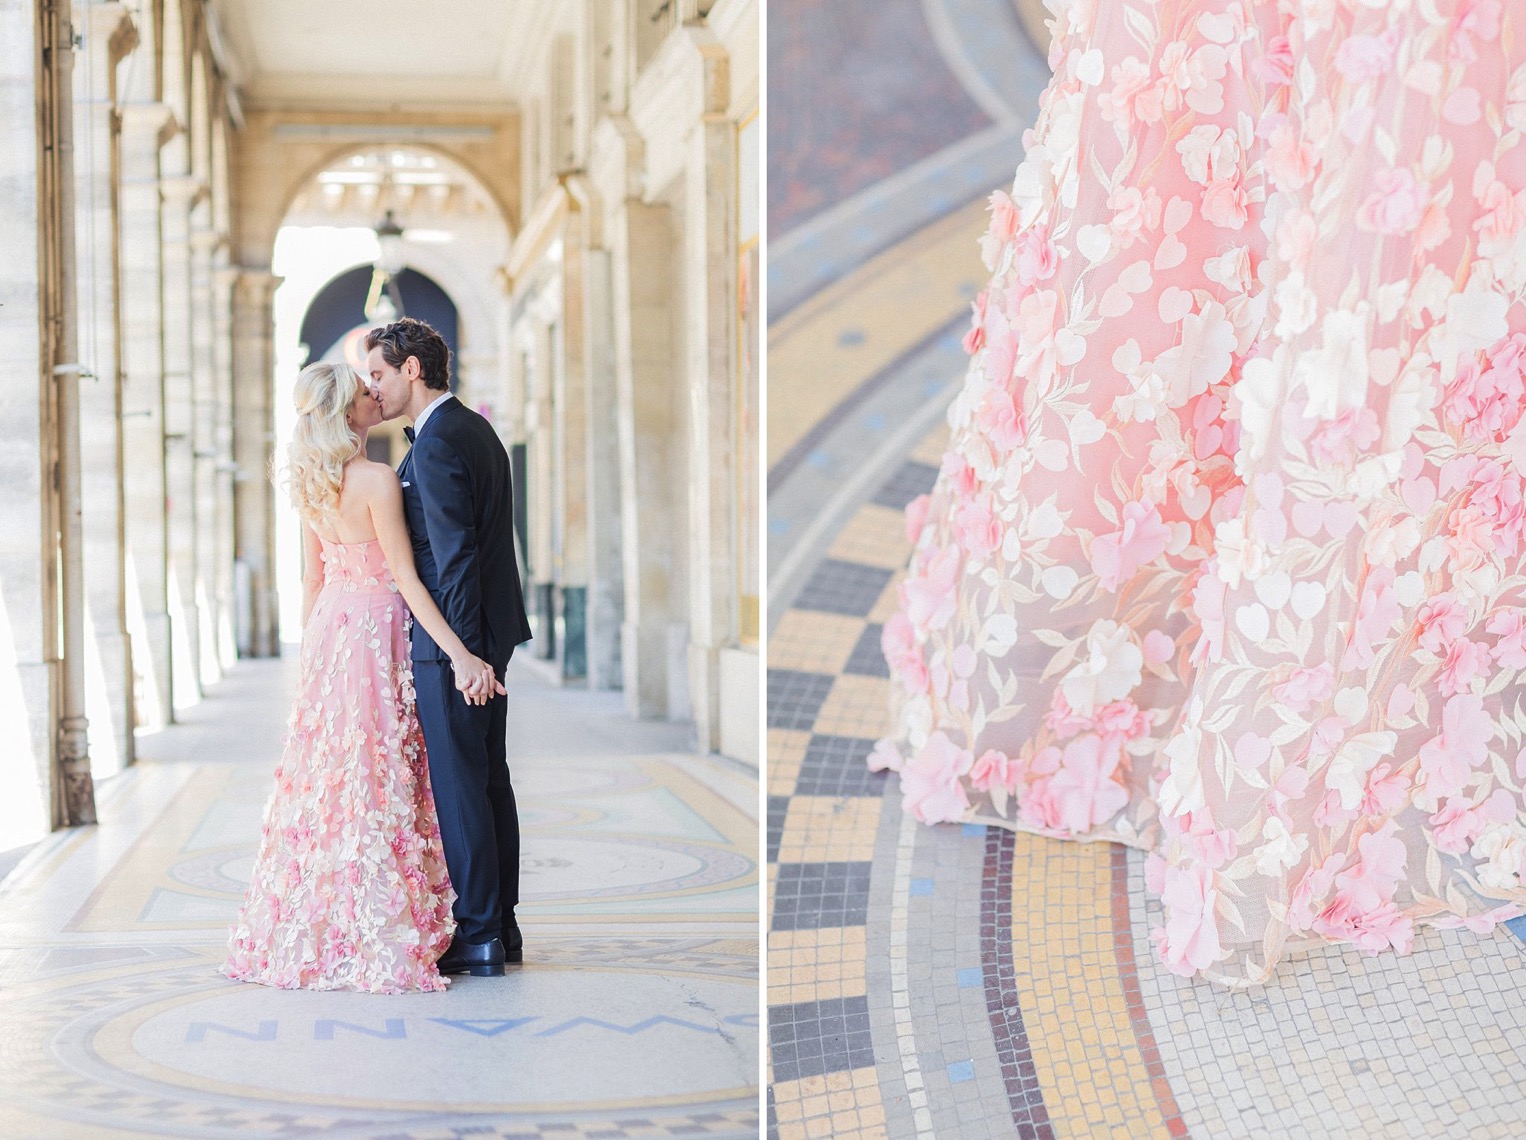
x: 459, y: 505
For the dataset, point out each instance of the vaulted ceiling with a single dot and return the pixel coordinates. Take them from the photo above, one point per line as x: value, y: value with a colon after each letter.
x: 381, y: 54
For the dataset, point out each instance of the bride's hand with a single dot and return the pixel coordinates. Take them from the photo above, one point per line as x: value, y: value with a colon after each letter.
x: 476, y: 680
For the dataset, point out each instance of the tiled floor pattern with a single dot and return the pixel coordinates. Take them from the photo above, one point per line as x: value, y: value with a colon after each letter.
x: 635, y: 1014
x: 970, y: 982
x: 1023, y: 996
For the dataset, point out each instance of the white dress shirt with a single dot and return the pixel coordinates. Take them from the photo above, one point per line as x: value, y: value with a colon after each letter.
x: 418, y: 424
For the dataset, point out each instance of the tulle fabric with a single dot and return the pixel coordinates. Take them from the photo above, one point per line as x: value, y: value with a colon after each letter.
x: 1225, y: 557
x: 349, y: 889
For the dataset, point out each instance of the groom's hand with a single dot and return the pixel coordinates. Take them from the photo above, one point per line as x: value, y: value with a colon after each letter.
x: 479, y: 685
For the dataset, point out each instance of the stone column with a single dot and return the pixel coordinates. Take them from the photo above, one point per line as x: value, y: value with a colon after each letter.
x: 179, y: 436
x: 255, y: 622
x: 540, y: 494
x: 204, y: 435
x: 224, y: 278
x: 108, y: 35
x: 571, y: 409
x: 710, y: 253
x: 641, y: 245
x: 606, y: 578
x: 28, y: 507
x: 145, y: 129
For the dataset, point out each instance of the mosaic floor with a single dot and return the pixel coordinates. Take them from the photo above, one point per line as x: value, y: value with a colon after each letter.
x: 635, y: 1014
x: 969, y: 982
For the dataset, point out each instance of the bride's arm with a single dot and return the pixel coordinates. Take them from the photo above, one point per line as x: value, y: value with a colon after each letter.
x: 312, y: 570
x: 385, y: 499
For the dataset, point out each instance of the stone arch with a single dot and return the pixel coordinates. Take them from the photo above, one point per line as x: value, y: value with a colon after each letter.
x: 280, y: 156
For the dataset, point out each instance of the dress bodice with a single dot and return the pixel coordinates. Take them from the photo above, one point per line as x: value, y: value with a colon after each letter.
x: 356, y: 566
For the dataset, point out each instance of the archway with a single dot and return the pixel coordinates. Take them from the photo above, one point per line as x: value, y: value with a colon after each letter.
x: 455, y: 238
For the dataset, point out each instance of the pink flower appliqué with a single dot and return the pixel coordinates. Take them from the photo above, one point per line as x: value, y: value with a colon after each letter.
x: 1442, y: 620
x: 898, y: 641
x: 1190, y: 940
x: 930, y: 784
x: 1510, y: 650
x: 1462, y: 745
x: 1141, y: 539
x: 1398, y: 204
x: 1084, y: 787
x: 993, y: 770
x: 929, y: 594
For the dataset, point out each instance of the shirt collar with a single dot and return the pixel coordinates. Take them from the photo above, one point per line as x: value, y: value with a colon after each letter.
x: 418, y: 424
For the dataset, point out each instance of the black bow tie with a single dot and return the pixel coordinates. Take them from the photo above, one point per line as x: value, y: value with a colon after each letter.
x: 407, y: 431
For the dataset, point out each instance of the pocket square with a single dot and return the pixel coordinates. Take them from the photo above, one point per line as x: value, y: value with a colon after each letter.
x: 406, y: 483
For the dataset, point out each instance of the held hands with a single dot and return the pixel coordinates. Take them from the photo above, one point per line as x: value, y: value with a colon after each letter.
x: 475, y: 679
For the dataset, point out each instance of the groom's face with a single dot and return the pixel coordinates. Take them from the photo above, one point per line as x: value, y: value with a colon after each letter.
x: 388, y: 384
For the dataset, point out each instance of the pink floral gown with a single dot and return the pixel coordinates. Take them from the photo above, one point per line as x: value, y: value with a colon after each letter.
x: 349, y: 890
x: 1225, y: 560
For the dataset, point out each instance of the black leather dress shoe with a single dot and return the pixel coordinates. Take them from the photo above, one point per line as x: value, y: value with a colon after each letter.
x: 513, y: 943
x: 480, y: 960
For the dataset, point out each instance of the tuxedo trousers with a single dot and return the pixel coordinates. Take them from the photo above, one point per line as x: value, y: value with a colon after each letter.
x: 479, y: 821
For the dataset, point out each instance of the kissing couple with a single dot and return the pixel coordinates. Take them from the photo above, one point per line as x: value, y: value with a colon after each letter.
x: 389, y: 855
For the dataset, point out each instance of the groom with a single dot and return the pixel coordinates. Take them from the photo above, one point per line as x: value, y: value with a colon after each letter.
x: 460, y: 511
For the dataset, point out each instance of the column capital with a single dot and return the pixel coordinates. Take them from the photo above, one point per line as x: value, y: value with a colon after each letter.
x: 109, y: 27
x: 183, y: 189
x: 254, y: 285
x: 617, y: 160
x: 149, y: 121
x: 207, y: 240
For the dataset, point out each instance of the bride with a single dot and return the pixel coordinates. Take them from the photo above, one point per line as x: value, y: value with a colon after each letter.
x: 1227, y: 556
x: 349, y: 889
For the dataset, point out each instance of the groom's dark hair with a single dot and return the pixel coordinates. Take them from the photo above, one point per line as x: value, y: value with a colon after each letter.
x: 412, y: 337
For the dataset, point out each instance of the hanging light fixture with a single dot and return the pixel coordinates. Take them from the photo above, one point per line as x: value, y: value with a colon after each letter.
x: 389, y: 236
x: 384, y: 301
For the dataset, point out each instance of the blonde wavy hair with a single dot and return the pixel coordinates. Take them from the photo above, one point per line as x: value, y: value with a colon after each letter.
x: 322, y: 442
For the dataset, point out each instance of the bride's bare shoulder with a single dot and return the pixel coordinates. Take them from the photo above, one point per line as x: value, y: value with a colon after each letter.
x: 370, y: 478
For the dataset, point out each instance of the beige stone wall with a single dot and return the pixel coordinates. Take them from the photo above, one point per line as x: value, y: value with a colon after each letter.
x: 599, y: 331
x: 628, y: 257
x: 138, y: 417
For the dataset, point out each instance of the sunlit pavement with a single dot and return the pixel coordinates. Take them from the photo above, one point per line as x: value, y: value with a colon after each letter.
x: 635, y: 1013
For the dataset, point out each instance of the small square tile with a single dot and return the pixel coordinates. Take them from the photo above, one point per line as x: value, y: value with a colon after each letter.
x: 808, y: 1039
x: 844, y: 588
x: 911, y: 479
x: 838, y: 766
x: 813, y: 895
x: 867, y: 658
x: 795, y: 698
